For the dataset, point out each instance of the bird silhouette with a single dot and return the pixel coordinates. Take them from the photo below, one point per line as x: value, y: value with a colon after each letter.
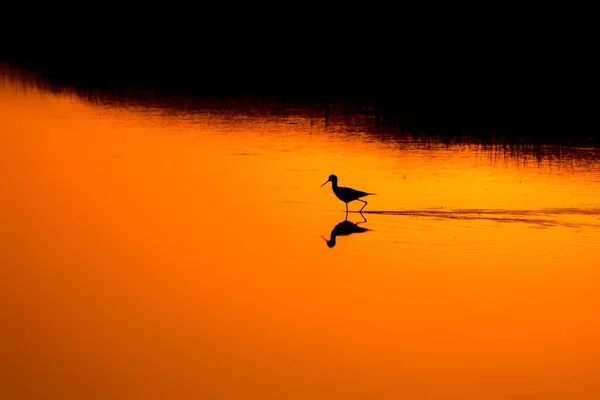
x: 346, y: 194
x: 344, y: 228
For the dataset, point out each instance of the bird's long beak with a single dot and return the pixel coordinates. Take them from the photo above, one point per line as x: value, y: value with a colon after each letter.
x: 324, y: 183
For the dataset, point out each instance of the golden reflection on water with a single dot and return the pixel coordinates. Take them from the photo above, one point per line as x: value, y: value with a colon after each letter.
x: 147, y: 256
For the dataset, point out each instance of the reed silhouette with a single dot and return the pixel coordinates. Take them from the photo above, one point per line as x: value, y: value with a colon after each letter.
x: 406, y: 100
x: 345, y: 228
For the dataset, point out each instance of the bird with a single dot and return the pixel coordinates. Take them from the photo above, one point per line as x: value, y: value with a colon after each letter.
x: 346, y: 194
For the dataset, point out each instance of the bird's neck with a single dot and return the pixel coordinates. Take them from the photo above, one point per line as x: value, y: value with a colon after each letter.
x: 334, y: 184
x: 331, y: 242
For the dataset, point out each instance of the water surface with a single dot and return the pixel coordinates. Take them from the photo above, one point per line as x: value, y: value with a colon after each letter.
x: 158, y: 252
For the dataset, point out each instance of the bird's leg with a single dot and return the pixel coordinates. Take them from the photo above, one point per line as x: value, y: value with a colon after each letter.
x: 363, y: 205
x: 362, y: 215
x: 346, y: 209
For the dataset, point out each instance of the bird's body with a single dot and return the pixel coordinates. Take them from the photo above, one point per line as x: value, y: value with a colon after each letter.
x: 346, y: 194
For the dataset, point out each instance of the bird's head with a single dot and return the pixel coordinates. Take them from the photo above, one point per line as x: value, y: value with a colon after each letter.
x: 332, y: 179
x: 330, y: 243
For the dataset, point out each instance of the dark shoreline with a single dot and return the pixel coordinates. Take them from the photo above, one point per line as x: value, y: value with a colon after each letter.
x: 450, y: 103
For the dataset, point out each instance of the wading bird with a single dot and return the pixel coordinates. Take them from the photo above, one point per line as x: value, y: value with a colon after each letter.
x: 346, y: 194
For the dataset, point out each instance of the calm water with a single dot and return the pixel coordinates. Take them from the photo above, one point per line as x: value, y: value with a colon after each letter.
x: 158, y: 254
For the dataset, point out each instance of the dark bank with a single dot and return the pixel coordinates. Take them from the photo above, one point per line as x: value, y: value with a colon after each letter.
x: 492, y: 101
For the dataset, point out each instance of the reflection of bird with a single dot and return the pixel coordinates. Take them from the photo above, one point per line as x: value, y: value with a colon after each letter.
x: 346, y: 194
x: 345, y: 228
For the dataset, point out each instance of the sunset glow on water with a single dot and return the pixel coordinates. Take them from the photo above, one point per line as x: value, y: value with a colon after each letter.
x: 150, y: 253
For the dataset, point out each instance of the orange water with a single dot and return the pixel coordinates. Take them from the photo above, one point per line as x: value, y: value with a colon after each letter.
x: 153, y: 255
